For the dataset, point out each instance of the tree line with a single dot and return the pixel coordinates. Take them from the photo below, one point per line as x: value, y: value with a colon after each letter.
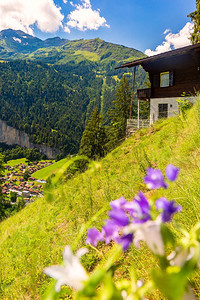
x: 98, y: 138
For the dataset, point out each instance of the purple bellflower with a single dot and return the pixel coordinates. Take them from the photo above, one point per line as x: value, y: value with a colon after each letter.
x: 110, y: 231
x: 119, y: 203
x: 139, y: 208
x: 119, y: 217
x: 93, y: 237
x: 132, y: 222
x: 154, y: 179
x: 168, y: 208
x: 172, y: 172
x: 125, y: 241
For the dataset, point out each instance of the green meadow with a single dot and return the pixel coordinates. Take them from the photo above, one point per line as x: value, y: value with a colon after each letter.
x: 14, y: 162
x: 44, y: 173
x: 36, y: 236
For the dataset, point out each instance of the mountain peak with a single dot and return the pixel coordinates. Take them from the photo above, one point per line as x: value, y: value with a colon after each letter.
x: 55, y: 41
x: 21, y: 42
x: 9, y: 33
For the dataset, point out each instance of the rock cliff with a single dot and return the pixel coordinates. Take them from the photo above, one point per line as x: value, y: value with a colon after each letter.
x: 12, y: 136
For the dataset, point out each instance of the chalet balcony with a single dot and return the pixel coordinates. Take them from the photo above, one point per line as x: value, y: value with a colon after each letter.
x: 144, y: 94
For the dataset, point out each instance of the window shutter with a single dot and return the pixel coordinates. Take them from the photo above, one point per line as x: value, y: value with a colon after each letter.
x: 171, y: 78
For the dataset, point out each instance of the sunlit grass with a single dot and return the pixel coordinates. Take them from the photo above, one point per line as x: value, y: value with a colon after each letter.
x: 44, y: 173
x: 35, y: 237
x: 15, y: 162
x: 88, y: 55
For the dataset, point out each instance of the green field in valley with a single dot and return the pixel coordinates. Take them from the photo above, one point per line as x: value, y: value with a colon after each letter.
x: 15, y: 162
x: 52, y: 169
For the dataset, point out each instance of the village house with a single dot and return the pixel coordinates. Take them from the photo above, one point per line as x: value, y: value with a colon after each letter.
x: 26, y: 189
x: 171, y: 74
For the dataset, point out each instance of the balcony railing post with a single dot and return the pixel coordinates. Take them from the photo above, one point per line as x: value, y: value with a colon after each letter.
x: 132, y: 93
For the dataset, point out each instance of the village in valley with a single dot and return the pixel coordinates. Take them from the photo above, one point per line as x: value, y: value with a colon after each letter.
x: 19, y: 182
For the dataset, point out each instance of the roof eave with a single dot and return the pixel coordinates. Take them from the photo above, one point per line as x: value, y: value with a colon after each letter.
x: 167, y: 54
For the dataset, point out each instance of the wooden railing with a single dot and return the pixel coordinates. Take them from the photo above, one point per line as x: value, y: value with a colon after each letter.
x: 144, y: 94
x: 133, y: 123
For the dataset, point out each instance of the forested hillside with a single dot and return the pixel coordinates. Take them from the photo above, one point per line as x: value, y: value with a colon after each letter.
x: 50, y: 93
x: 49, y: 106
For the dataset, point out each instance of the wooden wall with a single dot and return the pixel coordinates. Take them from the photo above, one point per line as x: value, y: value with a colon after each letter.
x: 186, y: 75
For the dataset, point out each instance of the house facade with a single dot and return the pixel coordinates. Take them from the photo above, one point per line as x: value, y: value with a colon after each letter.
x: 172, y: 74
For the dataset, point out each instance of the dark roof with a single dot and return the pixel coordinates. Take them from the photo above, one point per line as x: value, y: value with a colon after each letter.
x: 171, y: 53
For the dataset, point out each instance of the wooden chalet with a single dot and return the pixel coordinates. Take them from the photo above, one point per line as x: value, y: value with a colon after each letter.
x: 171, y: 74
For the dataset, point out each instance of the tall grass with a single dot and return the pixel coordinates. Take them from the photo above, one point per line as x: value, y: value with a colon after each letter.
x: 35, y: 237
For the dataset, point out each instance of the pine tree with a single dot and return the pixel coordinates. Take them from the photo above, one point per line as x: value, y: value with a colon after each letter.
x: 120, y: 113
x: 195, y: 17
x: 93, y: 139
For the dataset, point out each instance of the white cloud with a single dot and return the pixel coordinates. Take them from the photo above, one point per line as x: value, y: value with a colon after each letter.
x: 164, y: 47
x: 182, y: 38
x: 66, y: 29
x: 21, y: 14
x: 84, y: 17
x: 173, y: 40
x: 65, y: 1
x: 166, y: 31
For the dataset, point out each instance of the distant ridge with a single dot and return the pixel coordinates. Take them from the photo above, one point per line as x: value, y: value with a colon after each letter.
x: 21, y: 42
x: 16, y: 44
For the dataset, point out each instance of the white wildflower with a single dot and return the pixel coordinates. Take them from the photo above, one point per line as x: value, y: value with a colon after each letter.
x: 150, y: 232
x: 71, y: 273
x: 180, y: 256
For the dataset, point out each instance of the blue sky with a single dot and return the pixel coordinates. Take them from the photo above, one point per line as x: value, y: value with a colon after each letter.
x: 138, y: 24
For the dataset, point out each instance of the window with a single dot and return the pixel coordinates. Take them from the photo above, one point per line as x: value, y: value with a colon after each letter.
x: 167, y: 79
x: 164, y: 79
x: 162, y: 110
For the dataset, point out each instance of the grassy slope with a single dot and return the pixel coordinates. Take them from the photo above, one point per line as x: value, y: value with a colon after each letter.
x: 44, y: 173
x: 35, y: 237
x: 95, y: 50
